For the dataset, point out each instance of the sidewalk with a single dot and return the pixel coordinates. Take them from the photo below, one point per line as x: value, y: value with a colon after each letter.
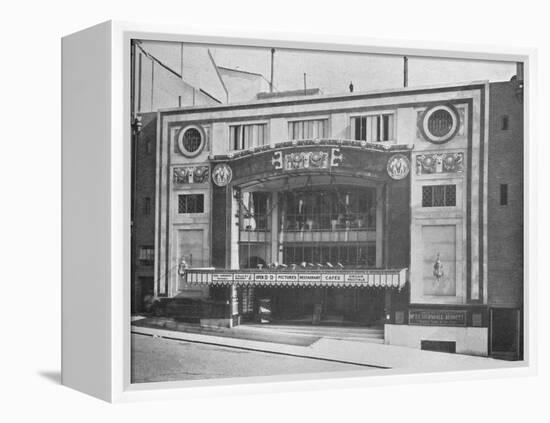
x: 360, y: 353
x: 243, y: 332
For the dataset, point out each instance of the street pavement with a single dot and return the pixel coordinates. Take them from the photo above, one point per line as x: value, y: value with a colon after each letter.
x: 156, y: 359
x: 164, y: 355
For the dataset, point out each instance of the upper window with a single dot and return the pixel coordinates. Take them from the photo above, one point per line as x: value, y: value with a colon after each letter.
x: 149, y: 147
x: 146, y: 255
x: 191, y: 140
x: 373, y: 128
x: 329, y: 209
x: 439, y: 124
x: 147, y: 206
x: 439, y: 196
x: 191, y: 203
x: 503, y: 194
x: 308, y: 129
x: 242, y: 137
x: 253, y: 212
x: 504, y: 123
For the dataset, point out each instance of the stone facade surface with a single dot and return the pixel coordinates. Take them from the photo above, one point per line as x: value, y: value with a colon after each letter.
x: 443, y: 245
x: 467, y: 340
x: 401, y: 196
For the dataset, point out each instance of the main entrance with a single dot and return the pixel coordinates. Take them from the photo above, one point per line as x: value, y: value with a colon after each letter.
x: 320, y: 305
x: 312, y: 223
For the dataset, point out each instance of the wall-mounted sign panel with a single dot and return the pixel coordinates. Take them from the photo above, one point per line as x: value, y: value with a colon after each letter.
x: 373, y: 278
x: 437, y: 317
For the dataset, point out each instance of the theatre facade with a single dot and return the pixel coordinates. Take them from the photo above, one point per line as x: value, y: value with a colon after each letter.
x: 362, y: 209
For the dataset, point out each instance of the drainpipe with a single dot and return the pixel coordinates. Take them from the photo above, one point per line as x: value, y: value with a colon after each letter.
x: 519, y: 80
x: 405, y: 71
x: 181, y: 58
x: 272, y: 70
x: 519, y: 71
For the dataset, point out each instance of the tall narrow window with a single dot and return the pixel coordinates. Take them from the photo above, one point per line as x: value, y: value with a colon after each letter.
x: 503, y: 194
x: 247, y: 136
x: 373, y: 128
x: 149, y: 147
x: 254, y: 211
x: 146, y: 255
x: 504, y: 123
x: 147, y: 206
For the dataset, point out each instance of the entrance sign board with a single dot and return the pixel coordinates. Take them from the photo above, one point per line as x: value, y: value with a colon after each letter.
x: 383, y: 278
x: 437, y: 317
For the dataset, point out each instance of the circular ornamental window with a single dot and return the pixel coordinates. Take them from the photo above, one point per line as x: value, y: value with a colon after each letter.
x: 439, y: 124
x: 191, y: 141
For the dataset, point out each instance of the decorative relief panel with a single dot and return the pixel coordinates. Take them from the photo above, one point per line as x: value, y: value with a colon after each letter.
x: 431, y: 163
x: 222, y: 174
x: 191, y: 174
x: 398, y: 166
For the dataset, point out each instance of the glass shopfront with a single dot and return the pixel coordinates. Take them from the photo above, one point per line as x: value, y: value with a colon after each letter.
x: 326, y: 226
x: 329, y: 209
x: 334, y: 306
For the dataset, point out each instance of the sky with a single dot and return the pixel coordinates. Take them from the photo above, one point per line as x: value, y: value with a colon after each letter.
x: 332, y: 72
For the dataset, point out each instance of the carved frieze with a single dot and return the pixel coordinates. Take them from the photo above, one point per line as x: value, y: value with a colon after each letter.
x: 439, y: 163
x: 191, y: 174
x: 307, y: 159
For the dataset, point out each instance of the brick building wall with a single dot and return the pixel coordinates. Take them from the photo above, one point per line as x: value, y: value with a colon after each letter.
x: 505, y: 179
x: 143, y: 217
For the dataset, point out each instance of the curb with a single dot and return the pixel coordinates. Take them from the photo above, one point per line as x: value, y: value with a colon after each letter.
x: 136, y: 331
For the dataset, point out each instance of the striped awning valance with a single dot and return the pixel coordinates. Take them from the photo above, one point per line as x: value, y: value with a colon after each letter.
x: 375, y: 278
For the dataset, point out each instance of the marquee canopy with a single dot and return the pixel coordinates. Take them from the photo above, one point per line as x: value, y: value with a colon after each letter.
x: 358, y: 278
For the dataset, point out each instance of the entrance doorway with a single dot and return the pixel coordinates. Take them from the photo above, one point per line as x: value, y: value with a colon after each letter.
x: 146, y: 293
x: 324, y: 306
x: 505, y: 325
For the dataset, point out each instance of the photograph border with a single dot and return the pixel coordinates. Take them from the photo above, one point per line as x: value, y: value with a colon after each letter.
x: 120, y: 161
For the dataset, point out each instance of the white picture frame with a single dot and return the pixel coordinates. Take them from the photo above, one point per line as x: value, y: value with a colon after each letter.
x: 96, y: 229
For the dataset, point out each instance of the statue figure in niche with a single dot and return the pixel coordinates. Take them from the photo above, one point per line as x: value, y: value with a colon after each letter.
x: 438, y: 269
